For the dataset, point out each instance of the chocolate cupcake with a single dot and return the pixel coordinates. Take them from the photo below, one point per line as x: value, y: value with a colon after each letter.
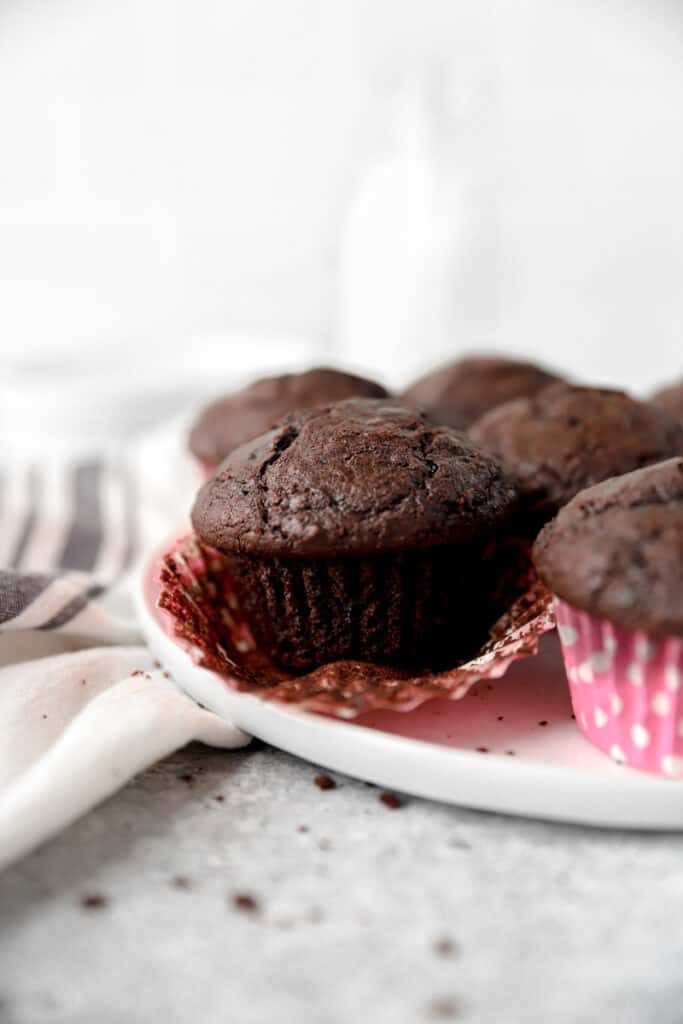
x: 230, y: 421
x: 459, y: 393
x: 360, y: 530
x: 671, y: 399
x: 566, y: 438
x: 614, y: 557
x: 616, y: 550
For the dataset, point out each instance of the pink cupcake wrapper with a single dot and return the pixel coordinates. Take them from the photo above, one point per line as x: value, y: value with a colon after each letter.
x: 627, y: 690
x: 196, y: 590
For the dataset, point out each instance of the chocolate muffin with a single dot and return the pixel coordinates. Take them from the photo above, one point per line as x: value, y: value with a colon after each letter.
x: 359, y: 530
x: 616, y: 550
x: 567, y: 438
x: 459, y: 393
x: 230, y: 421
x: 671, y: 399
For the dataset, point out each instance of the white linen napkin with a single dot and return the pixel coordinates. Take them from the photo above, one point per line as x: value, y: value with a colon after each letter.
x: 76, y: 725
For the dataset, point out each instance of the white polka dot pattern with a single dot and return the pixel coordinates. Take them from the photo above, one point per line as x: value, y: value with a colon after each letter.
x: 660, y: 704
x: 610, y: 643
x: 640, y: 736
x: 568, y: 635
x: 601, y: 718
x: 634, y: 671
x: 625, y: 690
x: 645, y: 649
x: 672, y: 678
x: 672, y: 765
x: 601, y: 661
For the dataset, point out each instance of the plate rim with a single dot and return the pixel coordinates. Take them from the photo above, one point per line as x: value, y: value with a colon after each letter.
x: 306, y: 734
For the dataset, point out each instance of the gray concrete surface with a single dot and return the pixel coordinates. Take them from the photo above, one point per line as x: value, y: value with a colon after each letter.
x: 363, y: 912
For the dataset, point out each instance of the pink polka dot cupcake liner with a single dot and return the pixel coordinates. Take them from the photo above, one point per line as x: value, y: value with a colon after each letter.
x: 627, y: 690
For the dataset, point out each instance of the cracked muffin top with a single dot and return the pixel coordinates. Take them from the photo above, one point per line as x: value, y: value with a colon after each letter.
x: 230, y: 421
x: 616, y: 550
x: 350, y: 478
x: 460, y: 392
x: 567, y: 438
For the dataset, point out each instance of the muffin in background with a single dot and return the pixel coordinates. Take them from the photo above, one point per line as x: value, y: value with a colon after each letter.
x: 614, y: 559
x: 461, y: 392
x: 567, y: 438
x: 671, y: 399
x: 359, y: 530
x: 229, y: 421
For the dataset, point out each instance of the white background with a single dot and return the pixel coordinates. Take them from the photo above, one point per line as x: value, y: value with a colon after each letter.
x: 177, y: 170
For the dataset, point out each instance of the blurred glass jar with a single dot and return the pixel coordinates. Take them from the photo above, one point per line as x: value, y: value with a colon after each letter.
x: 420, y: 253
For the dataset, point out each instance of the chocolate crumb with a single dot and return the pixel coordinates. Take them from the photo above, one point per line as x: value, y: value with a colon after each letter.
x: 510, y: 753
x: 391, y: 801
x: 157, y: 664
x: 94, y: 901
x: 483, y: 750
x: 186, y: 777
x: 573, y: 717
x: 219, y: 798
x: 82, y: 682
x: 137, y: 672
x: 543, y: 723
x: 460, y: 844
x: 245, y: 903
x: 303, y: 828
x: 500, y: 718
x: 44, y: 716
x: 166, y: 675
x: 181, y: 882
x: 444, y: 1008
x: 324, y: 781
x: 445, y: 947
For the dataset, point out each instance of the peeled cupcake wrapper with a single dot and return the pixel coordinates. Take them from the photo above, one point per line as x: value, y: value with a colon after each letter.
x: 627, y: 690
x: 203, y: 614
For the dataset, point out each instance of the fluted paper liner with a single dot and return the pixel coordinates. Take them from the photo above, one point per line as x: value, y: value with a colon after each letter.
x: 199, y: 596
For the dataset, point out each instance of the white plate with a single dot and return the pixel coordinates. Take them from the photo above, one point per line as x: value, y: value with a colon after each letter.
x: 454, y: 751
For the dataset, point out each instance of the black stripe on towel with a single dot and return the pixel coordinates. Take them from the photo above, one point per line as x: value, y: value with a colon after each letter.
x: 84, y: 539
x: 27, y: 527
x: 129, y: 524
x: 74, y: 606
x: 18, y: 590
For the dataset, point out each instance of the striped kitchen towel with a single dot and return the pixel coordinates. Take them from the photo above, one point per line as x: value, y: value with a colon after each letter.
x: 82, y: 706
x: 67, y: 544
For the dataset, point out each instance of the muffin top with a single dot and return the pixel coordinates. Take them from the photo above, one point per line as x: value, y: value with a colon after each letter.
x: 461, y: 392
x: 616, y: 550
x: 671, y: 399
x: 236, y: 418
x: 566, y: 438
x: 351, y: 478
